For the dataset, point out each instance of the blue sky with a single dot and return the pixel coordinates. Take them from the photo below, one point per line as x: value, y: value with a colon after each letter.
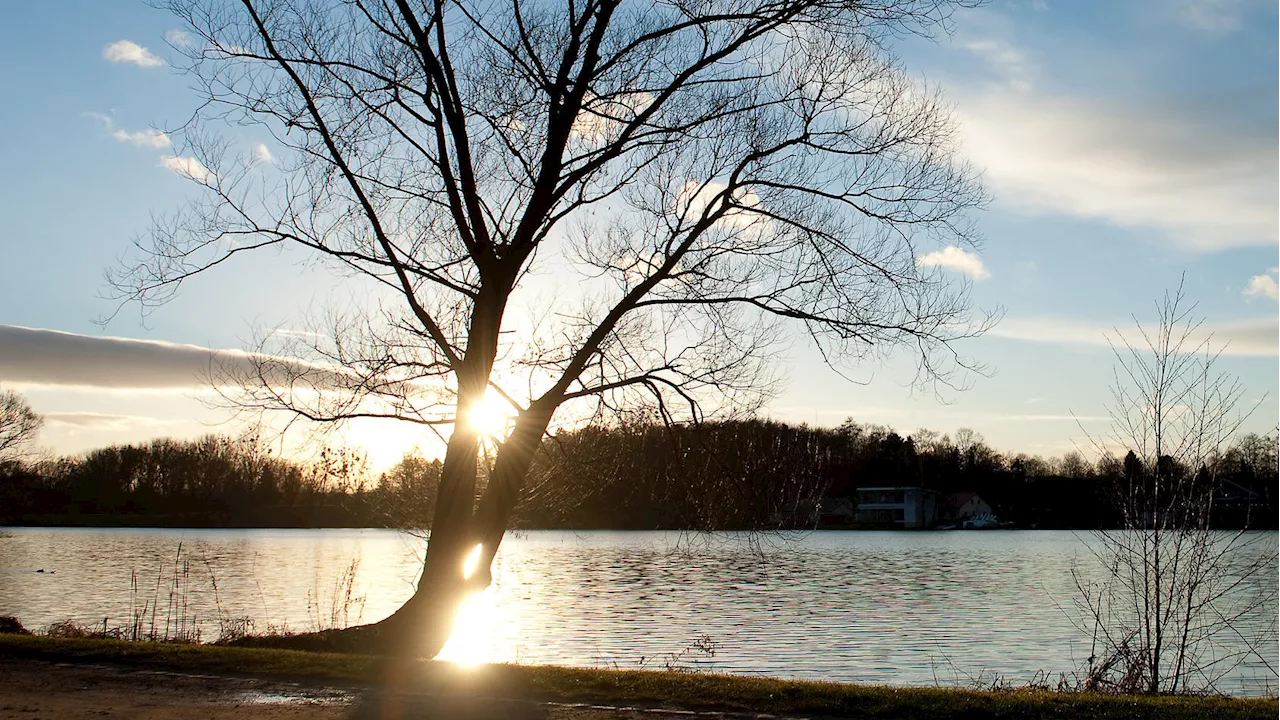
x: 1124, y: 144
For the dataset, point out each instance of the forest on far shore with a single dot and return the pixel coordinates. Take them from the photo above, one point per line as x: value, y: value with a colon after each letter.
x: 737, y: 475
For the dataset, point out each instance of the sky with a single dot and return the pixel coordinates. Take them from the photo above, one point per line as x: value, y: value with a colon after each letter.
x: 1126, y: 146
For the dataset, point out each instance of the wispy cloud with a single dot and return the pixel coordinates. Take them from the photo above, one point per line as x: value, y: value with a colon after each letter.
x: 126, y: 51
x: 143, y: 138
x: 1263, y: 286
x: 1256, y: 337
x: 1208, y: 181
x: 1054, y: 330
x: 262, y: 153
x: 957, y: 259
x: 1008, y: 61
x: 1043, y: 417
x: 178, y: 38
x: 187, y: 167
x: 1213, y: 17
x: 694, y: 199
x: 100, y: 421
x: 990, y: 34
x: 102, y: 119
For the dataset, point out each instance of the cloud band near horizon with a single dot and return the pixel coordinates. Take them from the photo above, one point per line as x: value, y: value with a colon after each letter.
x: 36, y: 356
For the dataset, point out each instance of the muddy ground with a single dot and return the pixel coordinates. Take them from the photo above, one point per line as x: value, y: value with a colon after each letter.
x: 36, y: 690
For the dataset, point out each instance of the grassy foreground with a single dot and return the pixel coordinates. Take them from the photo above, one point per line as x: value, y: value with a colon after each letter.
x: 669, y: 689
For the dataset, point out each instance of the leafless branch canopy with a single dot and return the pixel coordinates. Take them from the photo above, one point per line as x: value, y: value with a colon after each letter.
x: 660, y: 186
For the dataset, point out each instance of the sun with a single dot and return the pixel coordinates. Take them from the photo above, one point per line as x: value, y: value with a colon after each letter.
x: 491, y: 416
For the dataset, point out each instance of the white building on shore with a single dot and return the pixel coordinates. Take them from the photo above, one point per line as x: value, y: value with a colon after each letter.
x: 905, y: 507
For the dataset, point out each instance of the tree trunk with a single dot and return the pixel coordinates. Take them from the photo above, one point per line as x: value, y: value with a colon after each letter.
x: 422, y: 626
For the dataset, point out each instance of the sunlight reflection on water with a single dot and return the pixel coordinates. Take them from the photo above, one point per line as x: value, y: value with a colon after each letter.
x: 912, y: 608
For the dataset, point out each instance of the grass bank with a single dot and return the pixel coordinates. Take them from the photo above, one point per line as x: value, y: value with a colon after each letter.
x: 668, y: 689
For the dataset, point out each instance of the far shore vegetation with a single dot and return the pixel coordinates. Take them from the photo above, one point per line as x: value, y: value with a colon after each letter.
x: 742, y: 475
x: 673, y: 688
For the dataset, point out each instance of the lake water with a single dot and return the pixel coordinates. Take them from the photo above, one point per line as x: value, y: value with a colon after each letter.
x: 901, y: 608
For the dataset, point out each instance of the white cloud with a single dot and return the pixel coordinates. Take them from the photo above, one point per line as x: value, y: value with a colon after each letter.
x: 261, y: 153
x: 958, y: 259
x: 178, y: 38
x: 130, y: 52
x: 1206, y: 181
x: 143, y: 138
x: 187, y: 167
x: 1263, y: 286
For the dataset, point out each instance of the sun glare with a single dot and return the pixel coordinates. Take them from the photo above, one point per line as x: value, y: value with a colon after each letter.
x: 490, y: 416
x: 473, y: 559
x: 471, y: 643
x: 472, y: 640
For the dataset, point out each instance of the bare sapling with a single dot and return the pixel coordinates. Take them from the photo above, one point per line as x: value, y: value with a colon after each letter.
x: 1170, y: 594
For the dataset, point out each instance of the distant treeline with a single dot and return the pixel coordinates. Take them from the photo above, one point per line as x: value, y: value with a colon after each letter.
x: 725, y: 475
x: 213, y: 481
x: 759, y: 474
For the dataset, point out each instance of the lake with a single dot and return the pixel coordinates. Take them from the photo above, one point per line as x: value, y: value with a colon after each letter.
x: 901, y: 608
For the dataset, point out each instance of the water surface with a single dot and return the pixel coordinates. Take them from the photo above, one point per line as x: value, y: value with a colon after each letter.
x: 903, y: 608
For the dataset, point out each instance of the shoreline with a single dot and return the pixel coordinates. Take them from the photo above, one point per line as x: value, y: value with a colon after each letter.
x: 128, y: 522
x: 619, y: 690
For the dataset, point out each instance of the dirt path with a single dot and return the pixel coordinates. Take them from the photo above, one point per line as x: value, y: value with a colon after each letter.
x: 35, y: 690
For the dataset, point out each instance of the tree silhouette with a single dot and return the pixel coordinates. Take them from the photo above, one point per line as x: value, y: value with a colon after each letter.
x: 662, y: 188
x: 18, y: 425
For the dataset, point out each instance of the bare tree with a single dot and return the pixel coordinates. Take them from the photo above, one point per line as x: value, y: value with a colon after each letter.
x: 18, y: 425
x: 659, y: 187
x: 1175, y: 593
